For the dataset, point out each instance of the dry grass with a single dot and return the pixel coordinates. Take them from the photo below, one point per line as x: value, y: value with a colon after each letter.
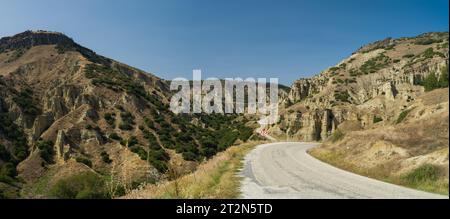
x: 213, y: 179
x: 384, y: 172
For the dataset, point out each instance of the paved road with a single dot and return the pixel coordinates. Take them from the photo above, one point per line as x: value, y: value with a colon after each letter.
x: 286, y: 170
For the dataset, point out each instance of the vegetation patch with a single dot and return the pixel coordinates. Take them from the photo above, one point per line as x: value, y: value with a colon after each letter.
x: 87, y: 185
x: 215, y: 178
x: 115, y: 80
x: 105, y: 157
x: 84, y: 160
x: 403, y: 115
x: 430, y: 53
x: 427, y: 178
x: 127, y: 121
x: 375, y: 64
x: 46, y: 150
x: 25, y: 101
x: 110, y: 119
x: 377, y: 119
x: 337, y: 136
x: 432, y: 82
x: 342, y: 96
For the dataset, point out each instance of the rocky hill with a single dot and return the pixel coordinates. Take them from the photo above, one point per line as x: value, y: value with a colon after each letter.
x: 378, y: 80
x: 68, y: 113
x: 381, y: 112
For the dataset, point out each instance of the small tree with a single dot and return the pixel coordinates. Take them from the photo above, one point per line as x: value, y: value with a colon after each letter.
x: 443, y: 79
x: 431, y: 82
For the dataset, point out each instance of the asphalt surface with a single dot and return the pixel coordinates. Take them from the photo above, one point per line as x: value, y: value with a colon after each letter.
x: 286, y: 170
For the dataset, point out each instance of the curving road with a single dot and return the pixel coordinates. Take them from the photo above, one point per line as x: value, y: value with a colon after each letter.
x: 286, y: 170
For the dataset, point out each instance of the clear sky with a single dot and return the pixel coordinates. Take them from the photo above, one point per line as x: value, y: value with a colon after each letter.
x: 288, y: 39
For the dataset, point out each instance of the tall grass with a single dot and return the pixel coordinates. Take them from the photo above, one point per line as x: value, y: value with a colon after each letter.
x: 215, y: 178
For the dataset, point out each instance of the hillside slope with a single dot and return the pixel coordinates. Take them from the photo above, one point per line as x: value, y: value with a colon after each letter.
x: 66, y: 111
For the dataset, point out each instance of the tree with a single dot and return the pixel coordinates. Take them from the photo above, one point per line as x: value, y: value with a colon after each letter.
x: 443, y: 79
x: 431, y: 82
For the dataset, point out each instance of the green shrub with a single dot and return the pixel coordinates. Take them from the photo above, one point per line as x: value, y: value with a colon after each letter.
x: 443, y: 79
x: 115, y: 136
x: 140, y: 152
x: 403, y: 115
x: 46, y: 150
x: 422, y: 174
x: 15, y: 135
x: 432, y: 82
x: 86, y: 185
x: 244, y: 132
x: 342, y: 96
x: 375, y: 64
x: 5, y: 156
x: 334, y: 68
x: 430, y: 53
x: 114, y: 79
x: 337, y: 136
x: 105, y: 157
x: 84, y: 160
x: 377, y: 119
x: 25, y: 101
x: 110, y: 118
x: 127, y: 121
x: 408, y: 56
x: 427, y: 41
x: 7, y: 173
x: 132, y: 141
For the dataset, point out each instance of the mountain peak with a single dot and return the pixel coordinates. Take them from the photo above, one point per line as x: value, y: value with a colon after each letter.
x: 31, y: 38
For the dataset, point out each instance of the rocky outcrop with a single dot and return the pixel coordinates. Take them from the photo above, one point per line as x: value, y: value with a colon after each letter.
x: 61, y: 148
x: 42, y: 123
x: 372, y: 86
x: 29, y: 39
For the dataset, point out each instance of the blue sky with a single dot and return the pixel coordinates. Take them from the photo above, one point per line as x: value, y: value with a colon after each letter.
x: 287, y: 39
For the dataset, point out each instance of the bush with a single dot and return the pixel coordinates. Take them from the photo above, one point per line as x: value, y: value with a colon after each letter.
x: 25, y: 100
x: 337, y: 136
x: 443, y: 79
x: 15, y: 134
x: 115, y: 136
x: 110, y: 118
x: 7, y: 172
x: 84, y: 160
x: 140, y: 152
x: 105, y: 157
x: 132, y: 141
x: 377, y: 119
x: 408, y: 56
x: 46, y: 150
x: 5, y: 156
x: 430, y: 53
x: 422, y: 174
x: 127, y: 121
x: 86, y: 185
x: 342, y: 96
x: 403, y: 115
x: 427, y: 41
x: 431, y: 82
x: 375, y: 64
